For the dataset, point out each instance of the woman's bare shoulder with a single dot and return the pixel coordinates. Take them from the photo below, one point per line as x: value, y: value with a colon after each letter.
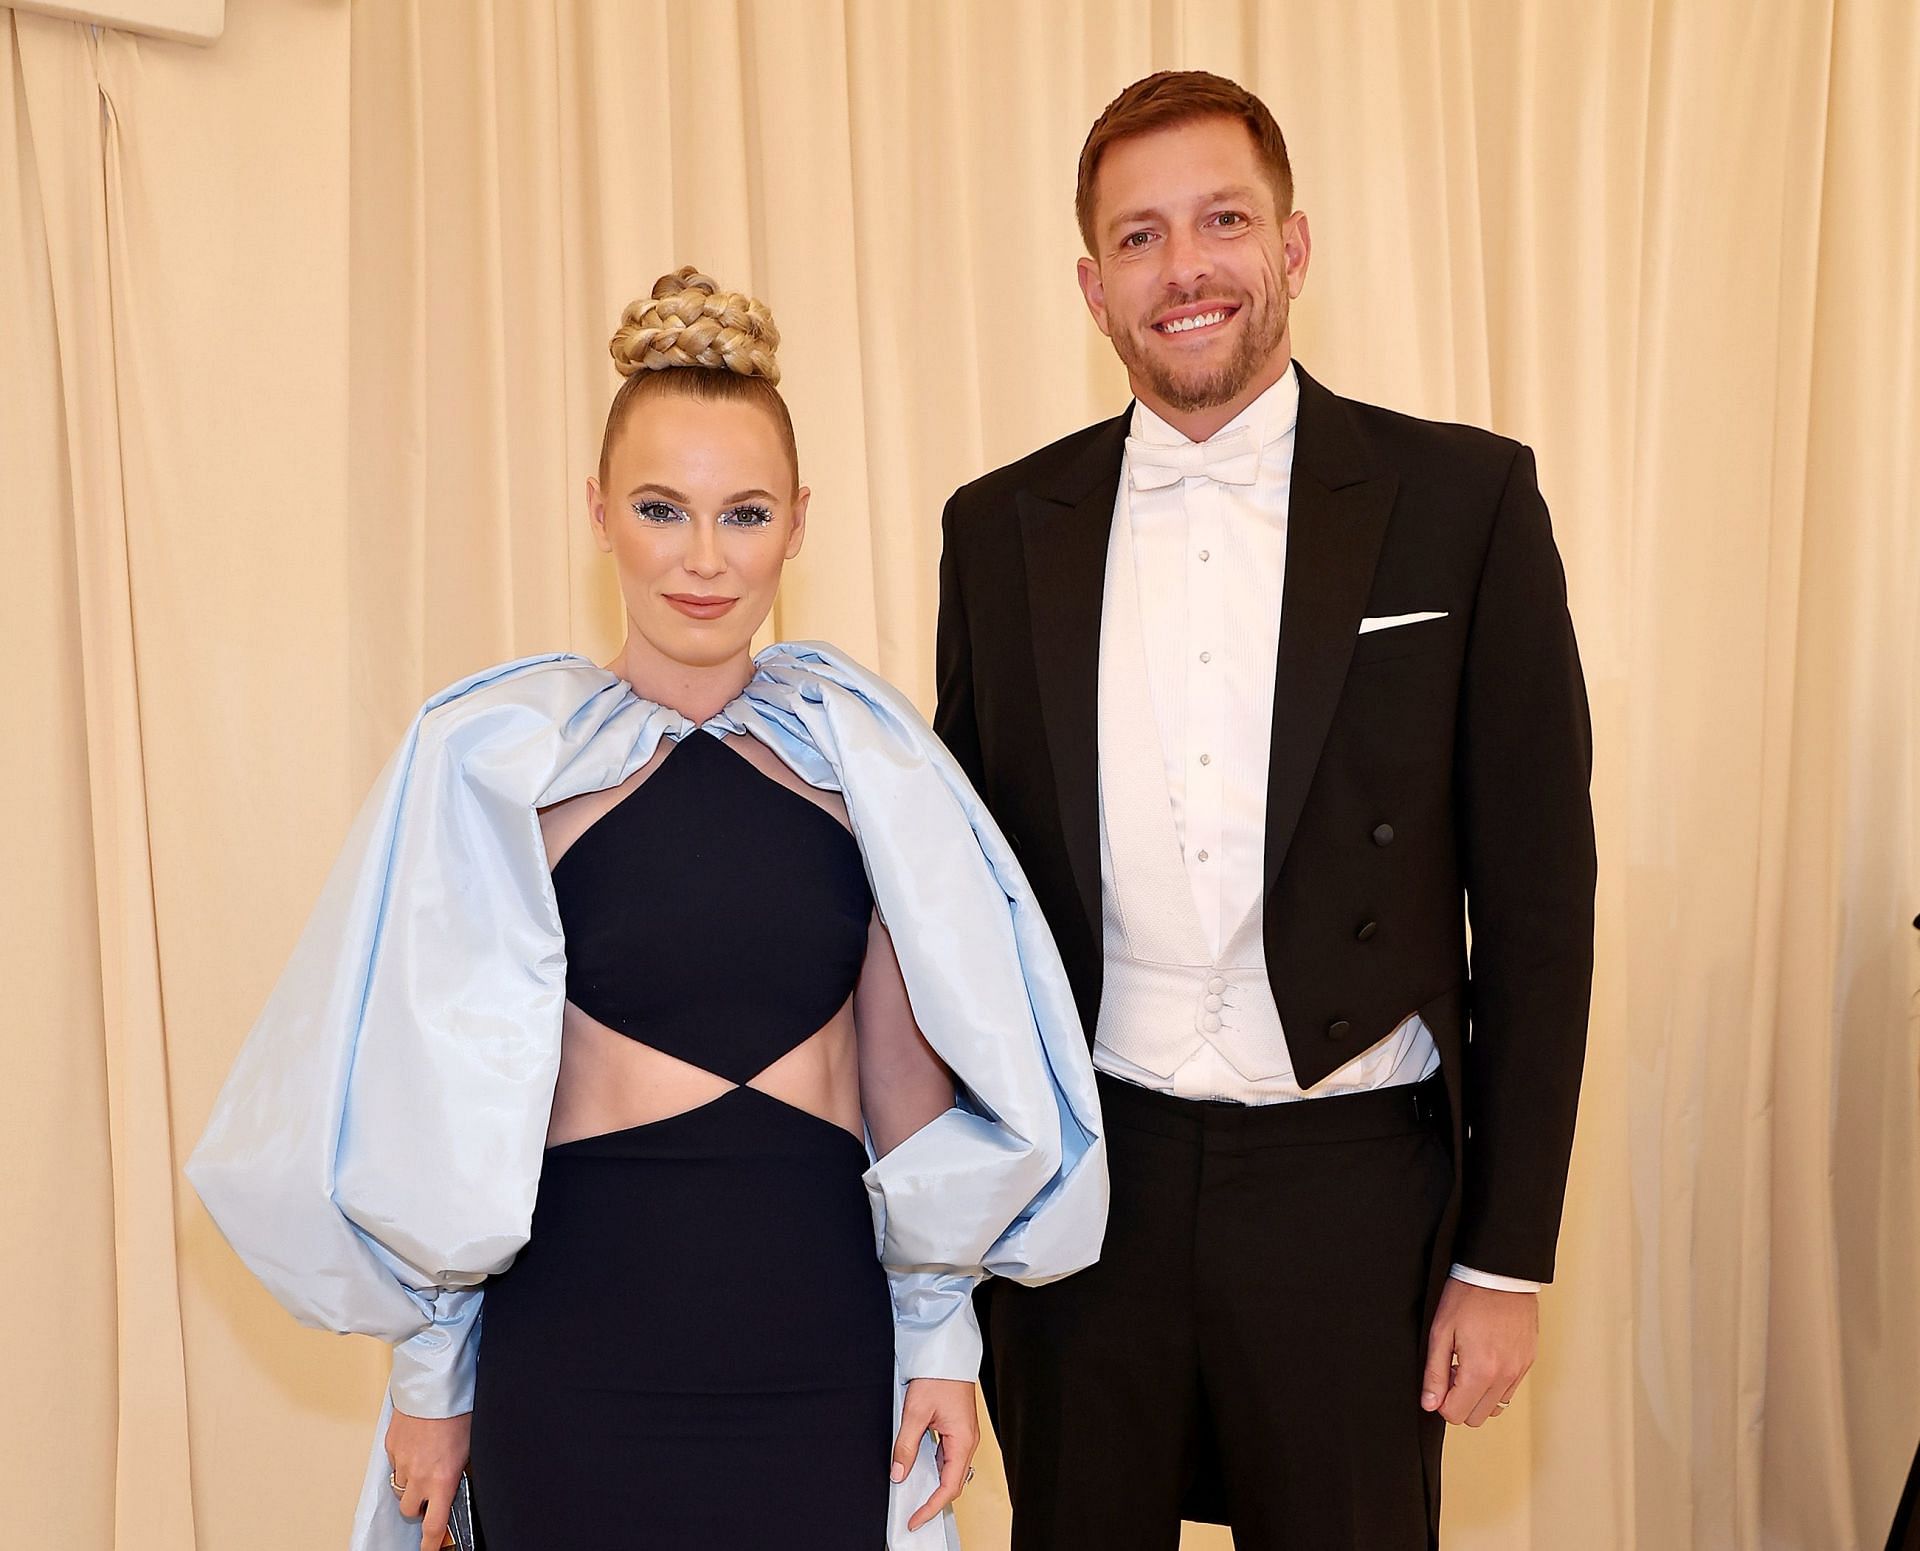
x: 565, y: 822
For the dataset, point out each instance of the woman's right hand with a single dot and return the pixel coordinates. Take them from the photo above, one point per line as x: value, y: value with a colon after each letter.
x: 427, y: 1455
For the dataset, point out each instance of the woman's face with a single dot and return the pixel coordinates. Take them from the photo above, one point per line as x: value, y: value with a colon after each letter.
x: 699, y: 512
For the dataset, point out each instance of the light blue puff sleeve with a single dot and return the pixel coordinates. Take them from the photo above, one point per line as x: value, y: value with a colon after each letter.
x: 376, y: 1150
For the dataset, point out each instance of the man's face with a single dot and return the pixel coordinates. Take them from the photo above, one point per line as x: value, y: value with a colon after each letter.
x: 1194, y: 265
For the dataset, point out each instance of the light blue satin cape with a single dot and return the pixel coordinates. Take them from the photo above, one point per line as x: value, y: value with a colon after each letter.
x: 376, y: 1150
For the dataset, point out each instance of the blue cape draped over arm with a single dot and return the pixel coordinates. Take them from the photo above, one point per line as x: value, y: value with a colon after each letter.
x: 376, y: 1150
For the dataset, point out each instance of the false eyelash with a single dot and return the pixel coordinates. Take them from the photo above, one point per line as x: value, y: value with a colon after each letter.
x: 738, y: 516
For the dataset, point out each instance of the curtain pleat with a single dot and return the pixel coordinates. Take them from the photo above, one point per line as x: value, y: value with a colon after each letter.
x: 56, y: 1206
x: 77, y: 164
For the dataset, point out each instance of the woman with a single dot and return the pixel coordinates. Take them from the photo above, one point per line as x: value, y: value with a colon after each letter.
x: 655, y: 998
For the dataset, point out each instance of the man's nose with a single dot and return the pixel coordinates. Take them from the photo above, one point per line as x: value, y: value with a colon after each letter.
x: 1186, y: 260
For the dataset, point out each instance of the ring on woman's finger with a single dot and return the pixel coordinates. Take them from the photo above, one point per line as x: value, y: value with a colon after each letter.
x: 968, y: 1476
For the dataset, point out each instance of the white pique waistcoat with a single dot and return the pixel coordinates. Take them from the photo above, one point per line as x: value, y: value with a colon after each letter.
x: 1165, y: 984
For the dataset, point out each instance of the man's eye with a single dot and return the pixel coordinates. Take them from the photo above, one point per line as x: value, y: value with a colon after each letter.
x: 656, y: 511
x: 1129, y: 241
x: 748, y: 517
x: 1231, y: 217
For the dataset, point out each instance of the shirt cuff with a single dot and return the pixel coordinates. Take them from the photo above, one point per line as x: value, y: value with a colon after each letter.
x: 433, y: 1370
x: 1498, y: 1283
x: 935, y: 1332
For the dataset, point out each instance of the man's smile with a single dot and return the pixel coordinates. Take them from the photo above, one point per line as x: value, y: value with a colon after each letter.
x: 1196, y: 318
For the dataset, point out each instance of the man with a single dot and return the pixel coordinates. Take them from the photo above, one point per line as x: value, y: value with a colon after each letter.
x: 1263, y: 685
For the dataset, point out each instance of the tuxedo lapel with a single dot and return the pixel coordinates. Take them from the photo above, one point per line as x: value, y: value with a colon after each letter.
x: 1065, y: 521
x: 1336, y: 518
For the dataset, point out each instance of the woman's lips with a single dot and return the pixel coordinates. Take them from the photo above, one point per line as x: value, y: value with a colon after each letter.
x: 700, y: 607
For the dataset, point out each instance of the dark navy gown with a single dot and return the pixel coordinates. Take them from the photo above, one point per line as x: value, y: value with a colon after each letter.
x: 695, y: 1348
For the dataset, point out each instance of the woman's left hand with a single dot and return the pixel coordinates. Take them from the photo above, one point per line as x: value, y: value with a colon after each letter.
x: 945, y: 1407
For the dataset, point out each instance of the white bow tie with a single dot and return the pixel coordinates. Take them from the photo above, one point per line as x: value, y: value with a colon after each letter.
x: 1233, y: 459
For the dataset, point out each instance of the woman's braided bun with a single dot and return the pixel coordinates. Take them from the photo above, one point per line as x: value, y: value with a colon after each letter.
x: 690, y: 321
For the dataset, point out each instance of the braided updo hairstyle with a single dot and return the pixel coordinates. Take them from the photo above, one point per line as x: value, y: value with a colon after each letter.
x: 693, y: 339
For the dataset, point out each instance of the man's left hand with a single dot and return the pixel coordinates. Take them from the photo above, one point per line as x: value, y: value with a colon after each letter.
x: 1480, y: 1348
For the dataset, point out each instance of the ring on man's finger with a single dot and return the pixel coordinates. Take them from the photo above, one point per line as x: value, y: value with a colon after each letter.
x: 968, y: 1476
x: 393, y: 1480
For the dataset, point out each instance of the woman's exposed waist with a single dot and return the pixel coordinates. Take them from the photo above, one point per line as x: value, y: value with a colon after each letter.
x: 742, y: 1124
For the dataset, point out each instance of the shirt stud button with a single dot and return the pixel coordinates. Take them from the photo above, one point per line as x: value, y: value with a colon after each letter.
x: 1205, y: 555
x: 1206, y: 656
x: 1207, y: 759
x: 1203, y: 856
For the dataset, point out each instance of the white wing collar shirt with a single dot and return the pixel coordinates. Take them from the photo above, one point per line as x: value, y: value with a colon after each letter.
x: 376, y: 1150
x: 1190, y: 631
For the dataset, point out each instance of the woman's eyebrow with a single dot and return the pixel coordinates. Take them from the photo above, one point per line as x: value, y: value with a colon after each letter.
x: 685, y: 500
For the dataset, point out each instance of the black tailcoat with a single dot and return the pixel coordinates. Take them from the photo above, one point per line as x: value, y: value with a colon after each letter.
x: 1418, y: 774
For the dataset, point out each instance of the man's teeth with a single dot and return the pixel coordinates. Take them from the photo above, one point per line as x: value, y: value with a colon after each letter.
x: 1198, y: 320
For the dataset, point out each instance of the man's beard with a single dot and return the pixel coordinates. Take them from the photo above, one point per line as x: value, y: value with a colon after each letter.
x: 1262, y: 329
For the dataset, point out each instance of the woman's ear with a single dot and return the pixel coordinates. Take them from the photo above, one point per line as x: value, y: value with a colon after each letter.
x: 597, y: 515
x: 799, y: 534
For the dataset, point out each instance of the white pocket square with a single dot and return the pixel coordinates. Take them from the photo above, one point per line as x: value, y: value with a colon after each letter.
x: 1388, y: 621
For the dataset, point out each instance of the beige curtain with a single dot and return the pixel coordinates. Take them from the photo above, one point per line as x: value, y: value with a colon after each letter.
x: 303, y: 338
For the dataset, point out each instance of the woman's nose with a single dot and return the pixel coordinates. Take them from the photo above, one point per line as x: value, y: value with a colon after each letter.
x: 703, y: 550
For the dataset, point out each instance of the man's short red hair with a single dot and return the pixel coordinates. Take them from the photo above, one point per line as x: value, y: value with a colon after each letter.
x: 1178, y: 97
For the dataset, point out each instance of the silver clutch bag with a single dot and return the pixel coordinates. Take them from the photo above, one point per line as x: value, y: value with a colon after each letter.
x: 460, y: 1521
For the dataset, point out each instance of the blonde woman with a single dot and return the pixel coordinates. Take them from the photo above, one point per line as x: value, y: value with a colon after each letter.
x: 691, y: 1017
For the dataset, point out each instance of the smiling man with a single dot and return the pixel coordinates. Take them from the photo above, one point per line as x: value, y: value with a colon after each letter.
x: 1269, y: 689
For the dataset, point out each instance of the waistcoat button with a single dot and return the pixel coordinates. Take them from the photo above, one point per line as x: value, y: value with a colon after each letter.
x: 1339, y: 1029
x: 1383, y: 835
x: 1367, y: 929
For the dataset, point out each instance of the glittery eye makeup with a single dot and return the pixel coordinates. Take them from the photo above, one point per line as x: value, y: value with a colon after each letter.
x: 664, y: 513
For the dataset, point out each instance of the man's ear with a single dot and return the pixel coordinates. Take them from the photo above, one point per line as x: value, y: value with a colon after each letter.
x: 1297, y: 248
x: 1095, y: 291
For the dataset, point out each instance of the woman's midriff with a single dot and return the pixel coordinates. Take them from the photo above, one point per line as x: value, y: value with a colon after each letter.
x: 610, y: 1082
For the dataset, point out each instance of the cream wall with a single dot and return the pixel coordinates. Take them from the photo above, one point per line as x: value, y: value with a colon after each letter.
x: 304, y: 348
